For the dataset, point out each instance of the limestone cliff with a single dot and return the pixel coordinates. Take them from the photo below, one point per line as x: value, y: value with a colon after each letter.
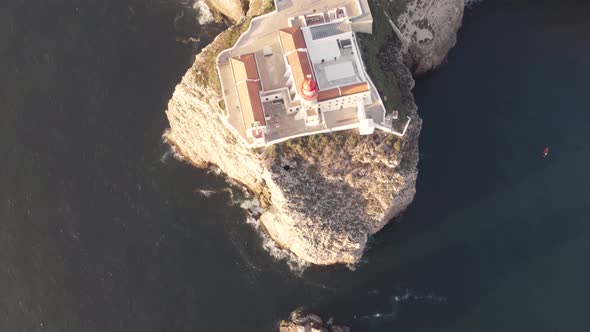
x: 232, y: 9
x: 430, y: 29
x: 323, y: 194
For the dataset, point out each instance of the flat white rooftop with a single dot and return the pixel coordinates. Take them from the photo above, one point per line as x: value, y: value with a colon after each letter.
x: 339, y: 70
x: 343, y: 70
x: 333, y: 54
x: 329, y: 30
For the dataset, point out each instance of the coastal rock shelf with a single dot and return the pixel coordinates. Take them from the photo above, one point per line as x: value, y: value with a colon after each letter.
x: 429, y: 29
x: 323, y: 194
x: 307, y: 322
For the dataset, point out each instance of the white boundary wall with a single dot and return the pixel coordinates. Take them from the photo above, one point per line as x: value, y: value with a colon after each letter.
x: 269, y: 143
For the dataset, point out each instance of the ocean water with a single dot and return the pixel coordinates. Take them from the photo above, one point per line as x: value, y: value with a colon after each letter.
x: 102, y: 229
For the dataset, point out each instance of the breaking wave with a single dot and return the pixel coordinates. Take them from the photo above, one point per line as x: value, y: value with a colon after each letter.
x: 396, y: 300
x: 171, y: 151
x: 296, y: 264
x: 205, y: 192
x: 244, y: 199
x: 409, y: 295
x: 205, y: 16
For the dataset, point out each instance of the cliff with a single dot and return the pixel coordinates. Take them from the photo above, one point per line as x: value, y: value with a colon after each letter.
x: 430, y: 29
x: 323, y: 194
x: 232, y: 9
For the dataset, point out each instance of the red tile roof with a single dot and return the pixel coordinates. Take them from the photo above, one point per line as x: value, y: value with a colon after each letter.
x: 248, y: 87
x: 328, y: 94
x: 251, y: 106
x: 343, y: 91
x: 291, y: 39
x: 354, y: 88
x: 244, y: 67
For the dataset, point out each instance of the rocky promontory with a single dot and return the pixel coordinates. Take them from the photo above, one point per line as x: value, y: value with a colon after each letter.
x: 232, y: 9
x: 307, y: 322
x: 322, y: 194
x: 429, y: 28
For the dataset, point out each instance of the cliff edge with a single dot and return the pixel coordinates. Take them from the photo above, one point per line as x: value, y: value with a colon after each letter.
x: 322, y: 194
x: 430, y: 29
x: 232, y: 9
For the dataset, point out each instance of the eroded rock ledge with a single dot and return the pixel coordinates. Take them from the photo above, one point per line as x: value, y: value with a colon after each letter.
x: 323, y: 194
x: 307, y: 322
x: 233, y: 9
x: 430, y: 28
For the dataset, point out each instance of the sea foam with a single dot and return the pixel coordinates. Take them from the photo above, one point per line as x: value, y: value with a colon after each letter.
x: 205, y: 16
x: 248, y: 202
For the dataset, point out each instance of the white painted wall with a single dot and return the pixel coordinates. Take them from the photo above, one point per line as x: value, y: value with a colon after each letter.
x: 272, y: 96
x: 345, y: 101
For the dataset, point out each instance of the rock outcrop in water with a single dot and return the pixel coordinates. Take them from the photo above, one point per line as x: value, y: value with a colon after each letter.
x: 306, y: 322
x: 323, y: 194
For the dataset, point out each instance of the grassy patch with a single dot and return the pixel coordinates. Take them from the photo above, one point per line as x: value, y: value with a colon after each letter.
x: 318, y: 147
x: 206, y: 70
x: 260, y: 7
x: 384, y: 78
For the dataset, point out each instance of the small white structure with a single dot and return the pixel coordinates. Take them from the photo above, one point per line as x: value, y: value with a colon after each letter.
x: 366, y: 126
x: 257, y: 136
x: 267, y: 51
x: 312, y: 117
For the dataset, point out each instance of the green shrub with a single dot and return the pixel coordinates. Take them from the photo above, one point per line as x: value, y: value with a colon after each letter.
x: 206, y: 70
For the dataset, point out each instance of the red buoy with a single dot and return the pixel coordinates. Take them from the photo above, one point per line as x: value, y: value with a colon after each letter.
x: 545, y: 151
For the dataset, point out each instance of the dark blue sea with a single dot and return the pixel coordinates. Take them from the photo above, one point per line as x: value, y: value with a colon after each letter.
x: 102, y: 229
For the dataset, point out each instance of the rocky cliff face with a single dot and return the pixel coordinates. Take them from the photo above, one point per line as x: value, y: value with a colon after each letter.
x: 232, y: 9
x: 430, y: 28
x: 323, y: 194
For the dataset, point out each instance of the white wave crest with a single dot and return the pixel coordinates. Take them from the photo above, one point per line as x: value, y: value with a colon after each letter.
x: 176, y: 154
x: 242, y: 197
x: 408, y: 295
x: 205, y: 192
x: 172, y: 149
x: 205, y: 16
x: 296, y: 264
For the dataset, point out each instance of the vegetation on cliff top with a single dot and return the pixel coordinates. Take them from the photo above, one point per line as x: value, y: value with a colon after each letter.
x: 319, y: 148
x: 374, y: 57
x: 206, y: 69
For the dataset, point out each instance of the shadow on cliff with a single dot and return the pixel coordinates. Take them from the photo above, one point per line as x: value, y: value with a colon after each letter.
x: 464, y: 257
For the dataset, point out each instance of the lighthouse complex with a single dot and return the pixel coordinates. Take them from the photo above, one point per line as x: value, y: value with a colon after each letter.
x: 298, y: 71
